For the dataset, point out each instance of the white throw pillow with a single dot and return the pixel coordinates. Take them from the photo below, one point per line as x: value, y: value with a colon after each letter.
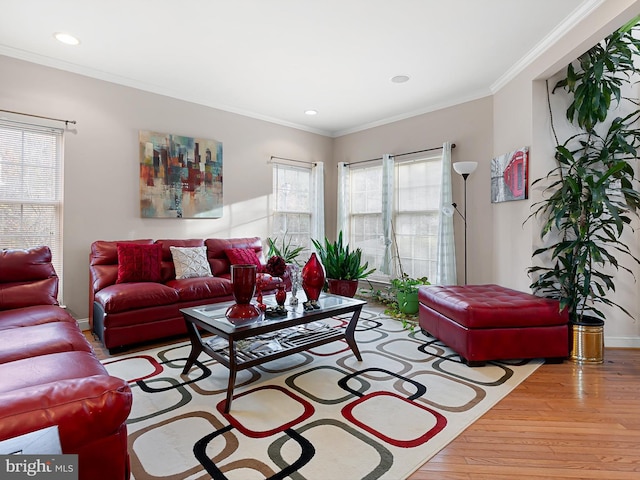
x: 190, y: 262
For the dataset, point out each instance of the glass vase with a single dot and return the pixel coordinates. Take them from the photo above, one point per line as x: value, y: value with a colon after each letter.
x: 313, y: 278
x: 243, y: 278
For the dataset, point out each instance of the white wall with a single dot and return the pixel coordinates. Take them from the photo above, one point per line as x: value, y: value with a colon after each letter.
x: 101, y: 189
x: 521, y: 118
x: 101, y: 170
x: 469, y: 126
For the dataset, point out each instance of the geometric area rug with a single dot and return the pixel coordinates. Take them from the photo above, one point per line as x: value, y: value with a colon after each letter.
x: 316, y: 415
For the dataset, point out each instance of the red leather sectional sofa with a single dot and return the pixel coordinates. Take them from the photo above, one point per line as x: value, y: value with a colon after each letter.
x: 127, y: 313
x: 49, y: 375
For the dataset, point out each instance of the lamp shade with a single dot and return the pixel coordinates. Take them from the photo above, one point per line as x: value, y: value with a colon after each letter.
x: 448, y: 210
x: 465, y: 168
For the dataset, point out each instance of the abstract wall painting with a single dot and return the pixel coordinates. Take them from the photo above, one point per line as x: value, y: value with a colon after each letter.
x: 180, y: 177
x: 509, y: 176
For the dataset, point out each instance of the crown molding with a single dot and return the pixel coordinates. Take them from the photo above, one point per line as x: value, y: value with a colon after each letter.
x: 145, y: 87
x: 415, y: 113
x: 584, y: 10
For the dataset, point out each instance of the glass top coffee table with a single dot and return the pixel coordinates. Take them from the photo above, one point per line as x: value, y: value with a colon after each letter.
x: 242, y: 347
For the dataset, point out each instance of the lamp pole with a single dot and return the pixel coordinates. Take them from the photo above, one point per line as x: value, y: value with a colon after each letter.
x: 464, y: 169
x: 465, y: 176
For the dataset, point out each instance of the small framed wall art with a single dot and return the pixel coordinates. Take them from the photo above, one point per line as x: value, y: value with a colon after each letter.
x: 509, y: 178
x: 180, y: 177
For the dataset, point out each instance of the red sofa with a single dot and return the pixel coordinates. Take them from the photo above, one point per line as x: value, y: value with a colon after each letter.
x: 490, y: 322
x: 50, y: 375
x: 127, y: 313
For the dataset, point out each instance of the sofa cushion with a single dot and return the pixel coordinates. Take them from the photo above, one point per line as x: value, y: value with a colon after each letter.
x: 190, y: 262
x: 87, y: 408
x: 31, y: 372
x: 139, y: 263
x: 36, y: 315
x: 132, y: 296
x: 241, y: 256
x: 491, y: 306
x: 218, y: 259
x: 18, y: 265
x: 28, y: 342
x: 201, y: 288
x: 103, y: 262
x: 168, y: 269
x: 25, y: 294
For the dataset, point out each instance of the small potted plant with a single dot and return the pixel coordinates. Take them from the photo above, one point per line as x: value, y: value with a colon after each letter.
x: 284, y: 249
x: 406, y: 291
x: 343, y: 267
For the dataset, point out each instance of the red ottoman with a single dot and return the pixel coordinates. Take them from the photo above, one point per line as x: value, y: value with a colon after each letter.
x: 490, y: 322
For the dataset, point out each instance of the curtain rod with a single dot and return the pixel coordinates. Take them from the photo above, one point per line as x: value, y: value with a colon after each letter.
x: 291, y: 160
x: 66, y: 122
x: 453, y: 145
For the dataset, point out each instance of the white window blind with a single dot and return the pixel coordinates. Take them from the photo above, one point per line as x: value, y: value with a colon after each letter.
x: 365, y: 219
x: 31, y: 188
x: 415, y: 215
x: 292, y: 206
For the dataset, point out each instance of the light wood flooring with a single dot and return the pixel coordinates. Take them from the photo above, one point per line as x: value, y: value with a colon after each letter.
x: 564, y: 422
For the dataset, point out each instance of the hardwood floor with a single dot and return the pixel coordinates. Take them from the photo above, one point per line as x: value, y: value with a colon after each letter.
x: 564, y: 422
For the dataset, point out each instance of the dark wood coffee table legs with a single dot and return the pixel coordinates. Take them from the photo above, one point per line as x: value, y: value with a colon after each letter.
x: 349, y: 334
x: 196, y: 346
x: 236, y: 360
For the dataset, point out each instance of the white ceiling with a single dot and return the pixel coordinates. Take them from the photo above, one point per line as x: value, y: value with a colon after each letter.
x: 274, y: 59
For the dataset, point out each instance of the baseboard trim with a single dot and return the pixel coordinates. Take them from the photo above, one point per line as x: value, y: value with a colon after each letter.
x: 613, y: 342
x: 622, y: 342
x: 83, y: 323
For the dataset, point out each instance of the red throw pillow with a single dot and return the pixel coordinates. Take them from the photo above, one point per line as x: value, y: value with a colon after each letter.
x: 139, y: 262
x: 243, y: 256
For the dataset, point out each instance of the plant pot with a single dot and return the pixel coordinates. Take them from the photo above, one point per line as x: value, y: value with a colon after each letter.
x: 407, y: 302
x: 587, y: 341
x: 344, y: 288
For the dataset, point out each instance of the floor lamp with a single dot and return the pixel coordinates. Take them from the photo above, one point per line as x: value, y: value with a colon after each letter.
x: 465, y: 169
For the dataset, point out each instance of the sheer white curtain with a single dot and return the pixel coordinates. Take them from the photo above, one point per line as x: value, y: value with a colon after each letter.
x: 387, y: 212
x: 317, y: 201
x: 446, y: 266
x: 343, y: 199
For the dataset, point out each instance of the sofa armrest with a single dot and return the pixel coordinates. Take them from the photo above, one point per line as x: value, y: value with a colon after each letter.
x: 84, y: 409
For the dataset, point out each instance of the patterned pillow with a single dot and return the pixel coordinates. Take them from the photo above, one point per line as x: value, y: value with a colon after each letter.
x: 243, y: 256
x: 190, y: 262
x: 139, y: 262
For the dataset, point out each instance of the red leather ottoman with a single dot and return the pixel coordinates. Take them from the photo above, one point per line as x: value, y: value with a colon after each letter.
x: 490, y: 322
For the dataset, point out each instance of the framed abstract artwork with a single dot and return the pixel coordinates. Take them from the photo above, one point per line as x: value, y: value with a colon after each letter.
x: 509, y: 176
x: 180, y: 177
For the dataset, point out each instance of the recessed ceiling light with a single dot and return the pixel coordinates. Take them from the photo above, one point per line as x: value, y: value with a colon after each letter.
x: 66, y: 38
x: 400, y: 79
x: 310, y: 112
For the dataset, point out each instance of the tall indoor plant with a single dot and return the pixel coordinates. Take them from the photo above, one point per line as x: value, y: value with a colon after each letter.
x: 589, y: 196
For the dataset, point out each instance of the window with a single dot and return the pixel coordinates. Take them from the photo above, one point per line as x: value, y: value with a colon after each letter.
x: 31, y: 188
x: 365, y: 219
x: 415, y: 215
x: 292, y: 206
